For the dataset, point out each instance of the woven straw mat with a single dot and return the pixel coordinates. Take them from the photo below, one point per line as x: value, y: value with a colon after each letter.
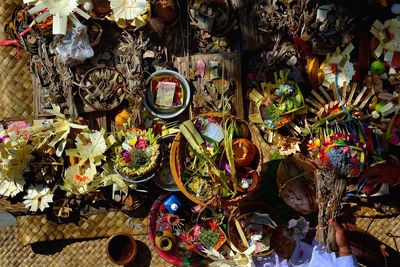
x: 38, y: 228
x: 68, y: 253
x: 387, y: 230
x: 16, y: 90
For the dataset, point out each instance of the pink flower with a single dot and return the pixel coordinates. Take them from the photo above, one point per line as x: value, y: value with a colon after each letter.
x: 395, y: 139
x: 20, y: 128
x: 141, y: 144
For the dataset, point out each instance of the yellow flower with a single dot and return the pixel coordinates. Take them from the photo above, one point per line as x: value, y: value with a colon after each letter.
x: 132, y: 142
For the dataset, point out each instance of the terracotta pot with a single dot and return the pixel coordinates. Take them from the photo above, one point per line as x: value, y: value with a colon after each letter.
x: 244, y: 151
x: 250, y: 173
x: 121, y: 249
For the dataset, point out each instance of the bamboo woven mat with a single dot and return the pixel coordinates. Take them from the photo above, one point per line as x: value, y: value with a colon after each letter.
x: 387, y: 230
x: 16, y: 90
x: 37, y: 228
x: 68, y: 253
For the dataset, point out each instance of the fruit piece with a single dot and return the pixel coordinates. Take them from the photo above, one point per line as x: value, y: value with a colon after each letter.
x: 373, y: 103
x: 122, y: 117
x: 298, y: 100
x: 379, y: 106
x: 244, y: 152
x: 290, y: 105
x: 377, y: 67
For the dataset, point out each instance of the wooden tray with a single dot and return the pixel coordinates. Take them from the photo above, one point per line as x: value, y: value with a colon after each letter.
x: 231, y: 67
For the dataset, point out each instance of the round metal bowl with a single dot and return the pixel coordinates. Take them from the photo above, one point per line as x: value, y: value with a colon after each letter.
x: 172, y: 112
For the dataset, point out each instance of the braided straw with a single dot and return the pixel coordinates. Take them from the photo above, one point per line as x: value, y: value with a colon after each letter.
x: 16, y: 93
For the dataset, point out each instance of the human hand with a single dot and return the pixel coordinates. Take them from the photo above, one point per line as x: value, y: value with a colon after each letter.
x: 381, y: 173
x: 340, y: 237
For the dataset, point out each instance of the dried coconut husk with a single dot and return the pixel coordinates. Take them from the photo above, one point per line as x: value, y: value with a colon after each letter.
x: 296, y: 184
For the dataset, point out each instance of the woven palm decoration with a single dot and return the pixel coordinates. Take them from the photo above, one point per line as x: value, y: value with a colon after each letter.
x: 128, y: 9
x: 61, y: 10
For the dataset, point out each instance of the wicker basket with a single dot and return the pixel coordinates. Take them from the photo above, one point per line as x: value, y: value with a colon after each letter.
x: 176, y: 158
x: 244, y: 210
x: 118, y: 99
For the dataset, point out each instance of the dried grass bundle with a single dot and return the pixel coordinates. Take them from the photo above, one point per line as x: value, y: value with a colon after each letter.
x: 55, y: 77
x: 330, y: 189
x: 130, y: 51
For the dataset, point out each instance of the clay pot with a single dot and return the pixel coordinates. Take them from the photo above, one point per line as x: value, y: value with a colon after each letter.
x: 247, y: 172
x: 166, y: 10
x: 244, y: 151
x: 121, y: 249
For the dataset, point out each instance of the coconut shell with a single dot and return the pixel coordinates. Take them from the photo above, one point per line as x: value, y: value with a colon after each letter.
x: 295, y: 180
x: 167, y: 12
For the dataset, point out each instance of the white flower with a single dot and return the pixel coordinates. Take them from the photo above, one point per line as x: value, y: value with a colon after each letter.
x: 10, y: 188
x: 338, y: 69
x: 38, y: 197
x: 129, y: 9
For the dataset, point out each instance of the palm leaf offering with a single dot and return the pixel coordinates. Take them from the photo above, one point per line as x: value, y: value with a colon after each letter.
x: 242, y: 124
x: 215, y: 152
x: 278, y: 102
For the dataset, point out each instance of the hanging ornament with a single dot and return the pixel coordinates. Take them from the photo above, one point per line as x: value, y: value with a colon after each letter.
x: 61, y: 10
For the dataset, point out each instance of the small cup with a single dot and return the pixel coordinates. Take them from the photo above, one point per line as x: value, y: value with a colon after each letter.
x: 121, y: 249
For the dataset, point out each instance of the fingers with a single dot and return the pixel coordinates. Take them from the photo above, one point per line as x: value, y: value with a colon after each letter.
x: 375, y: 171
x: 334, y: 224
x: 340, y: 236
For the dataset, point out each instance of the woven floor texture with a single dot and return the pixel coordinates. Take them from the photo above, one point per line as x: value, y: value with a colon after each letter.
x: 16, y: 90
x: 68, y: 252
x: 387, y: 230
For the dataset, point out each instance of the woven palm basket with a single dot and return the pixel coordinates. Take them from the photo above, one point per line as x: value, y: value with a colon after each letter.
x: 16, y: 90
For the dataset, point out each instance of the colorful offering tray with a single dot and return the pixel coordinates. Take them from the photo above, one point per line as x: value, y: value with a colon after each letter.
x: 276, y: 103
x: 167, y: 232
x: 137, y: 156
x: 211, y: 157
x: 341, y: 152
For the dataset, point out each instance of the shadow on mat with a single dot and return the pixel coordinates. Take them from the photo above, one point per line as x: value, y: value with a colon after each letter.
x: 143, y: 258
